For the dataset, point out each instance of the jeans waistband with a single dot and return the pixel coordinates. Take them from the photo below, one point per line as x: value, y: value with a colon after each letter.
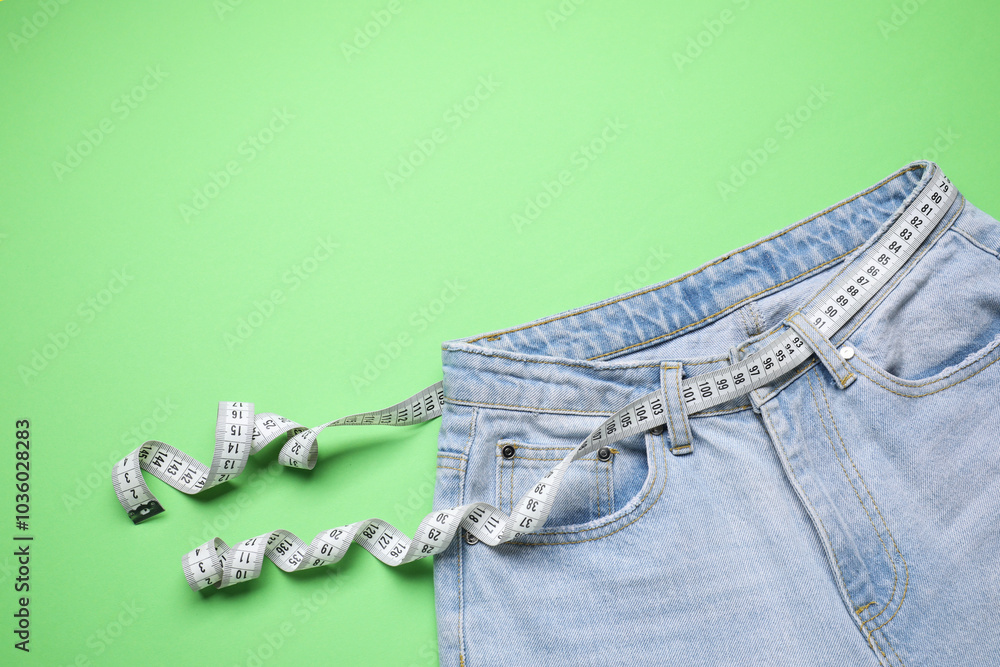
x: 597, y: 358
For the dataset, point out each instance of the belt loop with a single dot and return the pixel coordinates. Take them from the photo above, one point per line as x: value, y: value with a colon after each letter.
x: 677, y: 417
x: 828, y: 355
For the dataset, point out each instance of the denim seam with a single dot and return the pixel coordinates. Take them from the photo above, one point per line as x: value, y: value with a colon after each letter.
x: 527, y: 408
x: 726, y: 310
x: 601, y: 413
x: 895, y: 546
x: 498, y: 355
x: 976, y: 243
x: 885, y: 547
x: 861, y: 609
x: 881, y: 184
x: 726, y: 411
x: 451, y: 456
x: 511, y: 467
x: 532, y: 458
x: 746, y: 324
x: 537, y: 449
x: 763, y: 335
x: 958, y: 370
x: 461, y: 499
x: 498, y: 473
x: 756, y: 316
x: 970, y: 359
x: 505, y: 467
x: 611, y: 487
x: 713, y: 360
x: 529, y: 445
x: 862, y: 315
x: 797, y: 484
x: 597, y: 477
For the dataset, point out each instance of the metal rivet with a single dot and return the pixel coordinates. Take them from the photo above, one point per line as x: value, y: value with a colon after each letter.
x: 604, y: 454
x: 508, y: 451
x: 470, y: 538
x: 656, y: 430
x: 847, y: 352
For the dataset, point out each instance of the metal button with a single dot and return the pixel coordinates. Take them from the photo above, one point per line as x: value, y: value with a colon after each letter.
x: 604, y: 454
x: 847, y: 352
x: 470, y: 538
x: 508, y: 451
x: 656, y: 430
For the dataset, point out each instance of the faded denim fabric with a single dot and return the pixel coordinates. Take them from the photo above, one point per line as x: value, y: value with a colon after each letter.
x: 817, y: 521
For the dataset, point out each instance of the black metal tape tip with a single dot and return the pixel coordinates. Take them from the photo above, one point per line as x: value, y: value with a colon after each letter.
x: 145, y: 511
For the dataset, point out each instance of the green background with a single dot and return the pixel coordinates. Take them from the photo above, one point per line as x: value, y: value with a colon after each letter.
x: 212, y: 153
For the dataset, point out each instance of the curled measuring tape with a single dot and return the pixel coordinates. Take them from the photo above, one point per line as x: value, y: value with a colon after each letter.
x: 240, y: 433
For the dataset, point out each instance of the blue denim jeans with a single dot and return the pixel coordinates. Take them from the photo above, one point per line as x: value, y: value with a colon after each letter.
x: 846, y: 514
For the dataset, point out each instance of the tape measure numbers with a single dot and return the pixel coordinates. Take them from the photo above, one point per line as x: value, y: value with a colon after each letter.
x: 240, y: 433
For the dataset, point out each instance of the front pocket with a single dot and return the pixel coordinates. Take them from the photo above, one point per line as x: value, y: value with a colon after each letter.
x: 587, y: 491
x: 977, y: 362
x: 938, y: 321
x: 593, y: 487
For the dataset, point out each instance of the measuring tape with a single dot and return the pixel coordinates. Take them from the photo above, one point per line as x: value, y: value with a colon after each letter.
x: 240, y: 433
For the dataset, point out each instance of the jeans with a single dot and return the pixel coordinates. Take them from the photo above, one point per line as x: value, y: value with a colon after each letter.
x: 846, y: 514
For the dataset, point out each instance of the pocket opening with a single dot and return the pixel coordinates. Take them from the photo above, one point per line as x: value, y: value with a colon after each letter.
x: 938, y: 320
x: 592, y: 492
